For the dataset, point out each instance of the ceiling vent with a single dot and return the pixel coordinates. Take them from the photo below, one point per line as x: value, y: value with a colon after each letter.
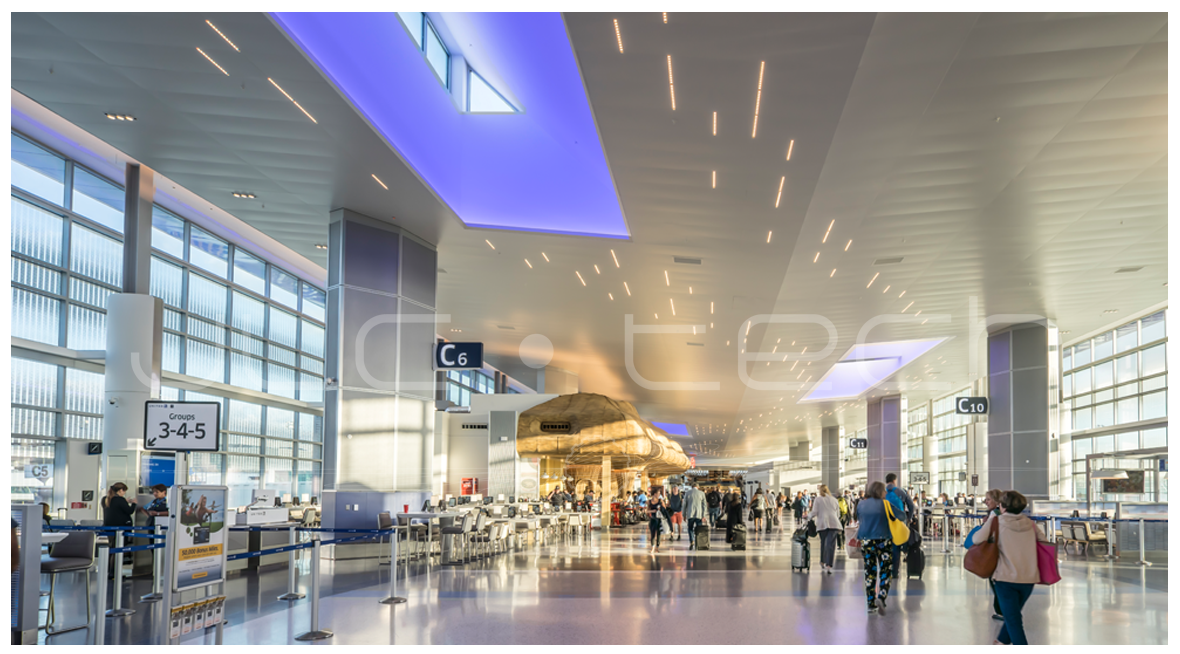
x: 889, y: 261
x: 555, y: 427
x: 689, y: 260
x: 505, y: 327
x: 698, y: 344
x: 1129, y: 269
x: 475, y: 426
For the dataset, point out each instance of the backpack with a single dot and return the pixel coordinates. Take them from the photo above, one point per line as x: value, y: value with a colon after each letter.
x: 898, y: 505
x: 843, y: 504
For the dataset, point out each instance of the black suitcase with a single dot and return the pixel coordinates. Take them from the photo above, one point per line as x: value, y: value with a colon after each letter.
x: 701, y: 538
x: 739, y: 537
x: 722, y: 522
x: 915, y: 563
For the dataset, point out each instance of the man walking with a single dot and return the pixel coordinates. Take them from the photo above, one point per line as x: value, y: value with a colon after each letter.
x: 695, y: 505
x: 713, y: 498
x: 893, y: 490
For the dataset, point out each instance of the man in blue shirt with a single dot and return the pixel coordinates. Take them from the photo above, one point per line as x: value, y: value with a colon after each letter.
x: 642, y: 500
x: 892, y: 489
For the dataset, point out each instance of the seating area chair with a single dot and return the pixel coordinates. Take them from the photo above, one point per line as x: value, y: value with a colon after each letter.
x: 459, y: 532
x: 311, y: 519
x: 75, y: 553
x: 56, y: 523
x: 384, y: 521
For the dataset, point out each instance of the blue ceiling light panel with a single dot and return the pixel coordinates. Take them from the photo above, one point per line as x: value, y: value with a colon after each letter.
x: 672, y: 428
x: 539, y: 170
x: 865, y: 366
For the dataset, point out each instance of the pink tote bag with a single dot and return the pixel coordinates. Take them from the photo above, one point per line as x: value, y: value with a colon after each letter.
x: 1047, y: 563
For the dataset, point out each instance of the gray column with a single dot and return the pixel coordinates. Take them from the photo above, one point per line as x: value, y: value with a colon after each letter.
x: 379, y: 401
x: 885, y: 431
x: 502, y: 457
x: 139, y: 193
x: 1022, y: 367
x: 830, y: 458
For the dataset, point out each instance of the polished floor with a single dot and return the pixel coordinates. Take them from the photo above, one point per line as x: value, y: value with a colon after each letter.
x: 608, y: 589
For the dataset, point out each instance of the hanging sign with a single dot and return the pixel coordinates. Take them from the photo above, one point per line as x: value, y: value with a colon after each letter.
x: 182, y: 426
x: 199, y: 553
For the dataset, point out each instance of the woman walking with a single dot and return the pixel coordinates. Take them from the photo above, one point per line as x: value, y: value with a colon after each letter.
x: 992, y: 501
x: 758, y: 510
x: 733, y: 516
x: 798, y: 505
x: 876, y: 544
x: 826, y: 513
x: 1016, y: 571
x: 655, y: 517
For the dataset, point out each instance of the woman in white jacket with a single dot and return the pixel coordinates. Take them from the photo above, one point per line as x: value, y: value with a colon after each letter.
x: 1016, y: 572
x: 826, y: 513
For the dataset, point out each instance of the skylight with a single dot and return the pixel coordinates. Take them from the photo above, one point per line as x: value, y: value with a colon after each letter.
x: 672, y: 428
x: 483, y: 99
x: 865, y: 366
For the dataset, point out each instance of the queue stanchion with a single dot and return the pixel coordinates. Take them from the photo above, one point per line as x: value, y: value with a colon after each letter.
x: 393, y: 597
x: 1110, y: 541
x: 117, y: 610
x: 157, y: 593
x: 316, y: 633
x: 292, y: 593
x: 1143, y: 546
x: 946, y: 529
x: 100, y: 622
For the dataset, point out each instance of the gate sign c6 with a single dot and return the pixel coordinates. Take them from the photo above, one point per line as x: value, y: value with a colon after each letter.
x: 182, y: 426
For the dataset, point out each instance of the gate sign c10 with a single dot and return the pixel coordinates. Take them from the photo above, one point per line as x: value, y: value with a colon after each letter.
x: 182, y: 426
x: 458, y: 356
x: 971, y: 405
x: 858, y: 443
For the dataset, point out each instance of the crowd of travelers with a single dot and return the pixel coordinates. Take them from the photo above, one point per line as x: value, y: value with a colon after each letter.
x: 879, y: 524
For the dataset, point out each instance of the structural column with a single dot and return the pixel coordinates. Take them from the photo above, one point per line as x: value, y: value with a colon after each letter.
x: 379, y: 401
x: 885, y: 429
x: 134, y: 340
x: 830, y: 458
x: 607, y: 493
x: 1022, y: 371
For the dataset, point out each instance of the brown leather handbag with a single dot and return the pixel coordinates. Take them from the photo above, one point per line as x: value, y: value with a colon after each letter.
x: 981, y: 560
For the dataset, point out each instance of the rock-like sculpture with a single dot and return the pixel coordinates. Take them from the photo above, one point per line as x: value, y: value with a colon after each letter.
x: 582, y: 428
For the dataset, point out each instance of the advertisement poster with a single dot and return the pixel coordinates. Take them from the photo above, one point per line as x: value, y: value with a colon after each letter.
x: 201, y: 539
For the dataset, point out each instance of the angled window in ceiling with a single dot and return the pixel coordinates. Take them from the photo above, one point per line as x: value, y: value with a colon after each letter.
x: 437, y: 55
x: 413, y: 20
x: 483, y: 99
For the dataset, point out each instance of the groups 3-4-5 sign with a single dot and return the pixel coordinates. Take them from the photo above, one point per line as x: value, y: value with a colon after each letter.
x: 182, y: 426
x: 971, y: 405
x: 458, y: 356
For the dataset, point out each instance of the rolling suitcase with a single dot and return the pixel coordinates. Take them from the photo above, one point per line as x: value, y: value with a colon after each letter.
x: 701, y: 537
x: 739, y: 537
x: 915, y: 563
x: 800, y: 555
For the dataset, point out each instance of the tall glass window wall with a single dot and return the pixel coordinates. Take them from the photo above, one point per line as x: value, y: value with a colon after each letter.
x: 950, y: 442
x: 230, y: 316
x: 917, y: 424
x: 1114, y: 390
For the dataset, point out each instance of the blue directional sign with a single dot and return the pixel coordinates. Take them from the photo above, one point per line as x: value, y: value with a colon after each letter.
x: 458, y: 356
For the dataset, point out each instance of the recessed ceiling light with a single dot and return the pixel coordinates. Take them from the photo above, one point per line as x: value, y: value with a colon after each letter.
x: 828, y: 232
x: 666, y: 282
x: 816, y: 258
x: 833, y: 273
x: 768, y: 235
x: 321, y: 246
x: 120, y: 117
x: 618, y: 36
x: 1111, y: 311
x: 656, y: 315
x: 611, y: 296
x: 546, y: 257
x: 671, y: 86
x: 848, y: 245
x: 758, y: 100
x: 710, y: 307
x: 902, y: 295
x: 219, y: 33
x: 489, y: 244
x: 580, y: 277
x: 780, y: 191
x: 627, y: 288
x: 212, y: 62
x: 239, y: 194
x: 457, y: 330
x: 714, y: 179
x: 690, y: 290
x: 908, y: 306
x: 873, y: 279
x: 665, y: 18
x: 790, y: 147
x: 714, y: 123
x: 288, y: 96
x: 612, y: 255
x: 529, y: 264
x: 673, y: 306
x: 886, y: 290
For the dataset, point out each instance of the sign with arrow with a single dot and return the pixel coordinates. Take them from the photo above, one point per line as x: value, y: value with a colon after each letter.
x: 182, y: 426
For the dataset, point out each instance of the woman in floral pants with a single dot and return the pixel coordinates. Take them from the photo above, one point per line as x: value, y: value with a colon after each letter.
x: 876, y: 543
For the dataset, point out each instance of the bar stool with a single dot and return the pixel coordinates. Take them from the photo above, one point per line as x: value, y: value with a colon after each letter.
x: 75, y: 553
x: 461, y: 531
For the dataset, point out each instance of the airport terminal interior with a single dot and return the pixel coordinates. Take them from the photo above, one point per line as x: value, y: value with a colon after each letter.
x: 662, y: 328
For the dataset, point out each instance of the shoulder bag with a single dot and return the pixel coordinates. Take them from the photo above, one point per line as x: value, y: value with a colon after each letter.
x: 897, y: 528
x: 981, y: 559
x: 1047, y: 563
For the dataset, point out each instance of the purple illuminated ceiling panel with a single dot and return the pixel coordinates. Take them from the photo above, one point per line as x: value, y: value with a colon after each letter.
x: 865, y: 366
x: 541, y: 170
x: 672, y: 428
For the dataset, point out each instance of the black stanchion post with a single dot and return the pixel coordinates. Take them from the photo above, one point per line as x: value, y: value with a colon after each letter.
x: 316, y: 633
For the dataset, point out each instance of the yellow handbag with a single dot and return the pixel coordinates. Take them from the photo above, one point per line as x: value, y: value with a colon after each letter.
x: 900, y: 532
